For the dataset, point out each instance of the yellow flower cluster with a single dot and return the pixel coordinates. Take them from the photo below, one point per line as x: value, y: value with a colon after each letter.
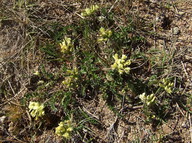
x: 36, y: 73
x: 36, y: 109
x: 121, y: 64
x: 66, y: 45
x: 71, y: 78
x: 166, y: 85
x: 89, y: 11
x: 104, y: 35
x: 64, y: 129
x: 147, y: 99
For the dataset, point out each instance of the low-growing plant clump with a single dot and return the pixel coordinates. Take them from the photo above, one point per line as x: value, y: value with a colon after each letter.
x: 98, y: 55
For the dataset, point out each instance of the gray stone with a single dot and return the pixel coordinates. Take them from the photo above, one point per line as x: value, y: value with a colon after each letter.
x: 175, y: 30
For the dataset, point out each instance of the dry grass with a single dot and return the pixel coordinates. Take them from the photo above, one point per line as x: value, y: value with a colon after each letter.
x: 102, y: 111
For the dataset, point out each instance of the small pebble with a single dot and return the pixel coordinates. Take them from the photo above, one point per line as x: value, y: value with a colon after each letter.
x: 175, y: 30
x: 2, y: 119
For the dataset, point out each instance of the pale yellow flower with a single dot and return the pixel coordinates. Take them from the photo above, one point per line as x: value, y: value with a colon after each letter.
x: 64, y: 129
x: 36, y: 73
x: 121, y: 65
x: 90, y: 11
x: 36, y: 109
x: 164, y: 83
x: 71, y: 77
x: 147, y: 99
x: 104, y: 35
x: 66, y: 45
